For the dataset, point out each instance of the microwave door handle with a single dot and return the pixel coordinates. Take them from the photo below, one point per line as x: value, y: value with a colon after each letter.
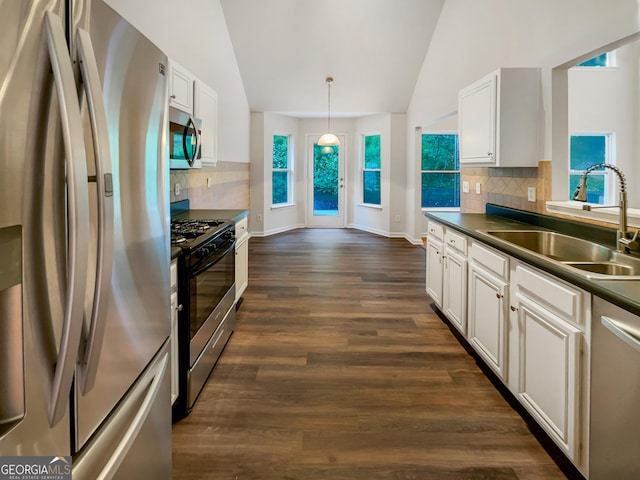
x: 185, y: 147
x: 198, y: 142
x: 104, y: 182
x: 192, y: 122
x: 78, y: 217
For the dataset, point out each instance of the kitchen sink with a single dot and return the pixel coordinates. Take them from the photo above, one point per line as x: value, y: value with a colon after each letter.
x: 587, y: 258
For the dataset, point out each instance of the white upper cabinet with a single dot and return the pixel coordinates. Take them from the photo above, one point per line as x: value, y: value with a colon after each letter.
x: 191, y: 95
x: 181, y: 83
x: 498, y: 119
x: 206, y: 109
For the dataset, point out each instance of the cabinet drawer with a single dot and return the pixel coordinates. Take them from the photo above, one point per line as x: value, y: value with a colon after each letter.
x: 490, y: 259
x: 456, y: 241
x: 241, y: 228
x: 557, y: 296
x: 435, y: 230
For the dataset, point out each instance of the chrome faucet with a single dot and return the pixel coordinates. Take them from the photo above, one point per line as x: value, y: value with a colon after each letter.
x: 626, y: 240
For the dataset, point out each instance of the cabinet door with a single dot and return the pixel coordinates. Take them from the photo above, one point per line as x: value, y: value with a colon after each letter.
x: 181, y: 89
x: 549, y: 358
x: 242, y: 267
x: 434, y: 270
x: 455, y: 289
x: 477, y: 122
x: 487, y: 308
x: 206, y: 109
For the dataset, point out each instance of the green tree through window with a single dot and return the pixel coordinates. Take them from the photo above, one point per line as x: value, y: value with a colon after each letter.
x: 371, y: 170
x: 280, y: 174
x: 440, y: 168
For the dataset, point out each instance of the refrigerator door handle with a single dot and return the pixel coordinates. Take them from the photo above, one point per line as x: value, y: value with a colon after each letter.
x: 77, y: 217
x: 88, y: 363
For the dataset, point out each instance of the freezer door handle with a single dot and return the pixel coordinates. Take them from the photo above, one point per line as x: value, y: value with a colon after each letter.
x: 77, y: 216
x: 621, y: 332
x: 88, y: 363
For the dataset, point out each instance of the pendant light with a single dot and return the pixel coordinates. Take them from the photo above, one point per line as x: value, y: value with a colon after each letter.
x: 329, y: 139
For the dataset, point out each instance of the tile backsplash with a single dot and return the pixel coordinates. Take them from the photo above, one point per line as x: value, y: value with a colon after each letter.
x: 507, y: 187
x: 225, y: 186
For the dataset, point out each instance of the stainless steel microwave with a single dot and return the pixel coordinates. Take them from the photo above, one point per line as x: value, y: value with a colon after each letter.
x: 185, y: 137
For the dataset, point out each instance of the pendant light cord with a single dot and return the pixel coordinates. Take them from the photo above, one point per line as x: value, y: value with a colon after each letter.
x: 329, y: 81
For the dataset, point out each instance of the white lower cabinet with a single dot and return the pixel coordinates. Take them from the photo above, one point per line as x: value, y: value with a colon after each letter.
x: 487, y: 317
x: 548, y: 384
x: 434, y: 270
x: 454, y: 280
x: 531, y: 328
x: 242, y: 257
x: 551, y: 355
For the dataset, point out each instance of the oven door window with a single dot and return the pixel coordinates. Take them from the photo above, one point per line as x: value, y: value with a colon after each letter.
x: 208, y: 286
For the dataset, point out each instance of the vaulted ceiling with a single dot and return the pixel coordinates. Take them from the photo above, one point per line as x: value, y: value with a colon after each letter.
x: 373, y: 49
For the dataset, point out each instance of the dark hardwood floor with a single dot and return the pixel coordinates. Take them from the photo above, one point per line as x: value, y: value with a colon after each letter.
x: 339, y: 370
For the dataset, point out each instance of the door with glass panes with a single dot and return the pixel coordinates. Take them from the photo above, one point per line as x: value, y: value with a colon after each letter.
x: 326, y: 184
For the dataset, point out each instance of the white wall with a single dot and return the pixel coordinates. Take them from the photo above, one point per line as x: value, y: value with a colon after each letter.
x: 605, y: 100
x: 473, y: 38
x: 194, y: 33
x: 391, y: 127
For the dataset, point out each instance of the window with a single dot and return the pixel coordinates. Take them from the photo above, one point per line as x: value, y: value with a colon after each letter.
x: 602, y: 60
x: 371, y: 170
x: 587, y: 149
x: 281, y: 173
x: 440, y: 171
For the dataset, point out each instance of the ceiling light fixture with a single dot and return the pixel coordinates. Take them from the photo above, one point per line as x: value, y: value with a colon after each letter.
x: 329, y: 139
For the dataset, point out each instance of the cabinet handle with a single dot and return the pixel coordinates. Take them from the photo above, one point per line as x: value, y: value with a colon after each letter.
x: 172, y: 96
x: 452, y: 242
x: 489, y: 154
x: 499, y: 295
x: 513, y: 309
x: 179, y: 308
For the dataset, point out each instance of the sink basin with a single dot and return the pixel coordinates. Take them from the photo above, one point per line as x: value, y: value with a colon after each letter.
x: 591, y: 259
x: 556, y: 246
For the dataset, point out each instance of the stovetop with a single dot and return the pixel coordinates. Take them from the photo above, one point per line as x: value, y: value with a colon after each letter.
x: 189, y: 233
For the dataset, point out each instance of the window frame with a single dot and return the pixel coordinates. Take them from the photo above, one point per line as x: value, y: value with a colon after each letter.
x: 609, y: 179
x: 289, y: 170
x: 424, y: 132
x: 363, y: 168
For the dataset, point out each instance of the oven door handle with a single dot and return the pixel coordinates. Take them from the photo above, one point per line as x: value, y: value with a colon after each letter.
x: 197, y: 269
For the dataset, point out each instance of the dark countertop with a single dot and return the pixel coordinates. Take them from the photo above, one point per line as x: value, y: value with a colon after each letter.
x: 624, y: 293
x: 234, y: 215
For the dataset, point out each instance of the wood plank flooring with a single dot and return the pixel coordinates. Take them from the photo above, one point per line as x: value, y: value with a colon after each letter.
x: 339, y: 370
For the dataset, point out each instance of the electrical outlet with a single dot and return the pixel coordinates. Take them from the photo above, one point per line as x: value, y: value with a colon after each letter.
x: 397, y: 218
x: 478, y: 188
x: 176, y: 189
x: 259, y: 217
x: 531, y: 194
x: 465, y: 187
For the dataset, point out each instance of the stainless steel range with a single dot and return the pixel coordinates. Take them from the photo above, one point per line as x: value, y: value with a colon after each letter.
x: 206, y: 290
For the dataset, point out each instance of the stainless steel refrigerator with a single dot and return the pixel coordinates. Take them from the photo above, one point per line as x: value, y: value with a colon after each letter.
x: 84, y: 244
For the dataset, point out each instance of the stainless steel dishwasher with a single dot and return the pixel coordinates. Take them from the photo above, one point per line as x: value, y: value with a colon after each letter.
x: 614, y: 451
